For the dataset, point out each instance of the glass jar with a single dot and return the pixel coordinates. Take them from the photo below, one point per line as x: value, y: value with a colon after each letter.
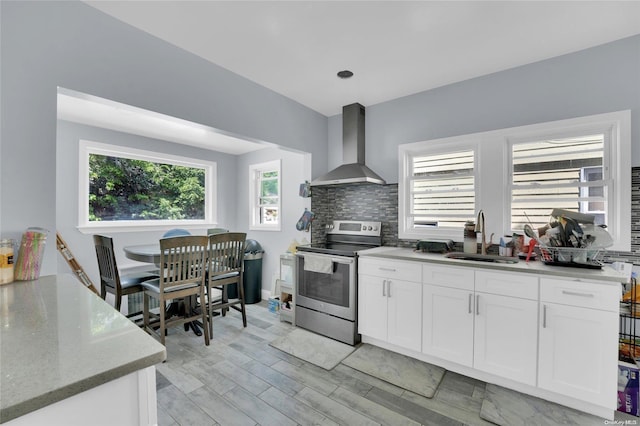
x: 6, y: 261
x: 30, y: 254
x: 470, y: 238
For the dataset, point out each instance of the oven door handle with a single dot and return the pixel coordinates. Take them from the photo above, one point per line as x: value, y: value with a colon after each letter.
x: 346, y: 261
x: 343, y: 260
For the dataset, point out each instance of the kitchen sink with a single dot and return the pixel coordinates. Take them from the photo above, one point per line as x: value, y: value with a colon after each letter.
x: 481, y: 257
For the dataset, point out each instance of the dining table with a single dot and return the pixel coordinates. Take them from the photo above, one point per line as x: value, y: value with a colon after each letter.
x: 150, y: 253
x: 147, y: 253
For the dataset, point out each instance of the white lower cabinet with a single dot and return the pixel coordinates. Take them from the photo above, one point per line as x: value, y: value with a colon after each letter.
x: 404, y: 314
x: 389, y: 304
x: 495, y: 333
x: 557, y: 335
x: 372, y: 306
x: 505, y: 341
x: 447, y: 323
x: 506, y: 325
x: 578, y: 344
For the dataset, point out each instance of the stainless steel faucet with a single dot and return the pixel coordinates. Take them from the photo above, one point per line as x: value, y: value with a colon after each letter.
x: 480, y: 228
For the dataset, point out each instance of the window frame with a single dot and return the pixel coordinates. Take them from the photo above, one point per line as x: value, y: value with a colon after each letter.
x: 254, y: 195
x: 86, y: 148
x: 406, y: 155
x: 494, y: 165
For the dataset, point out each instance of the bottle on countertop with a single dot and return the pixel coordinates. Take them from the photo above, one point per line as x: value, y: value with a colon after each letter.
x: 6, y: 261
x: 470, y: 237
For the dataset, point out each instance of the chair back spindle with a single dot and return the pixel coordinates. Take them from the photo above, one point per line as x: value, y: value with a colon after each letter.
x: 110, y: 279
x: 225, y: 267
x: 183, y: 262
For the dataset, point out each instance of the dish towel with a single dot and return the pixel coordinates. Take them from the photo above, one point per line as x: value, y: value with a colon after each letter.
x: 321, y: 264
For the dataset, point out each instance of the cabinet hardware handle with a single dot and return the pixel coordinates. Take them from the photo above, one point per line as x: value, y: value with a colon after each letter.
x: 477, y: 304
x: 389, y: 288
x: 384, y: 282
x: 544, y: 316
x: 386, y: 269
x: 575, y: 293
x: 470, y: 298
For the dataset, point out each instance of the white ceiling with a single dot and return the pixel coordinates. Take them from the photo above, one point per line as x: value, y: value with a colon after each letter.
x: 395, y: 48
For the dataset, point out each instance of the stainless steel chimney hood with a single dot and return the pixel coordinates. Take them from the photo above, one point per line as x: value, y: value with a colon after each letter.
x: 354, y: 171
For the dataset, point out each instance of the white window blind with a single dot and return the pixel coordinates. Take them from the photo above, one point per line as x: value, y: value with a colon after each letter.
x: 562, y: 173
x: 442, y: 189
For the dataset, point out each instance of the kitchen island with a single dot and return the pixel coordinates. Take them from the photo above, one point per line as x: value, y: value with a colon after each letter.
x: 68, y: 357
x: 547, y: 331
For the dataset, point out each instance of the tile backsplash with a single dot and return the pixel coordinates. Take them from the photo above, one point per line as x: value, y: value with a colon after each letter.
x: 364, y: 201
x: 380, y: 202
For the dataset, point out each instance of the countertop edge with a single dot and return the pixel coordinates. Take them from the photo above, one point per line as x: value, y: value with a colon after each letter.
x: 533, y: 267
x: 60, y: 394
x: 60, y: 306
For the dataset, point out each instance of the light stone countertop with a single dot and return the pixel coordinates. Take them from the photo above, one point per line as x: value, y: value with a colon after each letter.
x: 58, y: 339
x: 607, y: 273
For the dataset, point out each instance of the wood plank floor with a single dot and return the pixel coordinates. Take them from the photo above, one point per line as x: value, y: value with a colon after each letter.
x: 241, y: 380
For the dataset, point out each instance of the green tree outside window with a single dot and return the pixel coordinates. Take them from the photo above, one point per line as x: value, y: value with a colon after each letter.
x: 128, y: 189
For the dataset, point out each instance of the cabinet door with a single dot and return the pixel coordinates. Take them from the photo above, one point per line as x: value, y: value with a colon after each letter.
x: 404, y: 301
x: 579, y: 353
x: 506, y: 331
x: 372, y: 306
x: 447, y: 323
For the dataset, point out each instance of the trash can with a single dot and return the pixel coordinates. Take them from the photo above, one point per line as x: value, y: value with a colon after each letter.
x: 252, y: 277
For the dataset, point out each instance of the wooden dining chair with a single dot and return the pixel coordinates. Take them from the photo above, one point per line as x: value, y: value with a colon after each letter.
x: 183, y: 262
x: 111, y: 281
x: 226, y: 259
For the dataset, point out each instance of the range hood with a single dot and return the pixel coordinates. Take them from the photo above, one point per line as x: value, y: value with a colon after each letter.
x: 354, y: 170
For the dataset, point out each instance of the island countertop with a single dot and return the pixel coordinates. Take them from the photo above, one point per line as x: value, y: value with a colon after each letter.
x: 606, y: 274
x: 58, y: 339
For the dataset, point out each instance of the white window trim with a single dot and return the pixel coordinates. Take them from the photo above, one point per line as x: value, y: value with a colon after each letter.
x: 434, y: 147
x: 91, y: 147
x: 253, y: 196
x: 496, y: 144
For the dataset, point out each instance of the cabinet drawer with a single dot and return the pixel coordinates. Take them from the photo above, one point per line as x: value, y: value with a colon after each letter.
x: 394, y: 269
x: 507, y: 284
x: 448, y: 276
x: 586, y: 294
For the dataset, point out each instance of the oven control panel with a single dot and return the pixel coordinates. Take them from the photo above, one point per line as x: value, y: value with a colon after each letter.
x: 354, y: 227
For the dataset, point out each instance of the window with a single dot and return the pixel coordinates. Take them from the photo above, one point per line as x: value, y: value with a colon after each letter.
x: 564, y: 173
x: 442, y: 189
x: 518, y: 176
x: 264, y: 202
x: 122, y: 187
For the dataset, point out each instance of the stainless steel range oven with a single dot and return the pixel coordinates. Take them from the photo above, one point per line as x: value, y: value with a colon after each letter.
x: 327, y: 281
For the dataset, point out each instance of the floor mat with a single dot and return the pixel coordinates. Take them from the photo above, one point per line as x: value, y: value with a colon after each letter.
x: 313, y: 348
x: 408, y: 373
x: 510, y: 408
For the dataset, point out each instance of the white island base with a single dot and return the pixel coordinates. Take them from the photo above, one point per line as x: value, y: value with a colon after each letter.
x: 129, y: 400
x: 69, y: 358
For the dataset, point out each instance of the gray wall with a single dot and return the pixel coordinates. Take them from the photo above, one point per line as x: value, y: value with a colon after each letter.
x: 45, y: 44
x: 295, y: 168
x: 69, y: 44
x: 601, y: 79
x: 67, y: 191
